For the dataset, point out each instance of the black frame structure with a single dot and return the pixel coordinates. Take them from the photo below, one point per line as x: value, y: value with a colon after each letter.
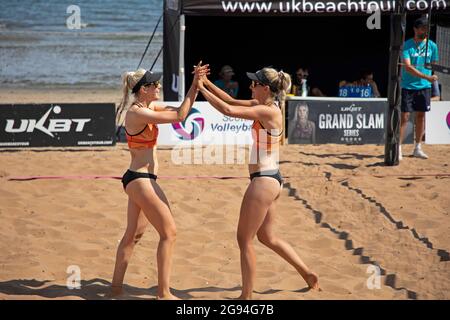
x: 175, y: 12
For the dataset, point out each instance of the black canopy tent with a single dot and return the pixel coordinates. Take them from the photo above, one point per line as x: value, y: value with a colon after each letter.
x: 186, y: 20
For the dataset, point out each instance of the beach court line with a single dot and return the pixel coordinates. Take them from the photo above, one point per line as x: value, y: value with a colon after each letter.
x: 390, y: 279
x: 400, y: 225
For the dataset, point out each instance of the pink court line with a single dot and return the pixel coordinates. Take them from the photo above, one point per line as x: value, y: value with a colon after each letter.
x: 91, y: 177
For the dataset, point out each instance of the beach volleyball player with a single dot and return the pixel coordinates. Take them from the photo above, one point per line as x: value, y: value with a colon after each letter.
x: 146, y: 200
x: 257, y: 214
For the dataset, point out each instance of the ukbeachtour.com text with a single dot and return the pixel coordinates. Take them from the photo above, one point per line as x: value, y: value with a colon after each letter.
x: 305, y: 6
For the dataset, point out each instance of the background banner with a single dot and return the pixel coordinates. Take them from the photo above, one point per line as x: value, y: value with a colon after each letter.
x: 205, y: 126
x: 45, y: 125
x: 345, y: 121
x: 437, y: 123
x: 302, y: 7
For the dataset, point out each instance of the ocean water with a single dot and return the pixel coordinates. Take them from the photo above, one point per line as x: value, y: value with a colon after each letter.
x: 38, y: 49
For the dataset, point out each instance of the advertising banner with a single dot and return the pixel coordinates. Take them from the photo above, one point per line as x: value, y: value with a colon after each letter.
x: 205, y: 126
x: 46, y: 125
x: 303, y: 7
x: 345, y: 121
x: 437, y: 123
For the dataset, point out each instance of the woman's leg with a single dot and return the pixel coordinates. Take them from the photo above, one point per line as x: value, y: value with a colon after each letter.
x: 136, y: 224
x: 284, y: 249
x: 147, y: 194
x: 257, y: 199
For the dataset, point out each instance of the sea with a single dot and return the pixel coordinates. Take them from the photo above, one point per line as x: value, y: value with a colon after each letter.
x: 82, y: 43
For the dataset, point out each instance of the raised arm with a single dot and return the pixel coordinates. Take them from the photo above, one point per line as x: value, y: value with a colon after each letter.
x: 182, y: 111
x: 257, y: 112
x: 225, y: 96
x: 160, y: 107
x: 165, y: 116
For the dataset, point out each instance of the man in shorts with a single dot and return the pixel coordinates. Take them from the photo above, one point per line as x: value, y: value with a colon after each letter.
x: 416, y: 82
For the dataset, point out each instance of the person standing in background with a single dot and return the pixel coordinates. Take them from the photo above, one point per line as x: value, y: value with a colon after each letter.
x: 416, y: 82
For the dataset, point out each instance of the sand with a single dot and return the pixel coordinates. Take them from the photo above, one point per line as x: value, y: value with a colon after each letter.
x: 341, y: 210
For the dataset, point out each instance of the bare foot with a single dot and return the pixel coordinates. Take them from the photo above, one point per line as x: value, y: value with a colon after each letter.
x: 167, y: 297
x: 312, y: 280
x: 241, y: 297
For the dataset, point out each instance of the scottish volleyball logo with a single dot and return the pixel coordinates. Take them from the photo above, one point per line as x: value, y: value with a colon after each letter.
x: 190, y: 128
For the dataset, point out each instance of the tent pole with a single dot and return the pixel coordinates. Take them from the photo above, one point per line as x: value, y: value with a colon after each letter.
x: 398, y: 25
x: 181, y: 70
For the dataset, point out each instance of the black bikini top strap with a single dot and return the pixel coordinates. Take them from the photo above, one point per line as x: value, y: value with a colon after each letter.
x: 268, y: 132
x: 133, y: 135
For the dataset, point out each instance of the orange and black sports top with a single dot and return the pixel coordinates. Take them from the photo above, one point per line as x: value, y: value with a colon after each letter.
x: 145, y: 139
x: 263, y: 138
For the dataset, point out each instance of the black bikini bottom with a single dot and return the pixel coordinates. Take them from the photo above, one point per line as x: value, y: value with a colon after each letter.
x: 132, y: 175
x: 271, y: 173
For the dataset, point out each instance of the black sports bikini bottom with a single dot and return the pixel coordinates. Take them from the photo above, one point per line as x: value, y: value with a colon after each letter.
x: 270, y: 173
x: 132, y: 175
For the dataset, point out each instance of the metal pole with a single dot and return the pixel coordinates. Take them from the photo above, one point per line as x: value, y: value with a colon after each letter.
x: 182, y: 79
x: 398, y: 24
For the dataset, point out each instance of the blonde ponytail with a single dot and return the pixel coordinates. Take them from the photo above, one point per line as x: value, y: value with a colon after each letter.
x: 281, y: 81
x: 284, y: 85
x: 129, y: 80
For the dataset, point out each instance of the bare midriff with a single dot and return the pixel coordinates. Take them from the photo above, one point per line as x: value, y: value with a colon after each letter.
x: 144, y: 160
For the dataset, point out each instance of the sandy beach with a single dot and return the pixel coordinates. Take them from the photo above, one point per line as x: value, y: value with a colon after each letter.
x: 341, y: 209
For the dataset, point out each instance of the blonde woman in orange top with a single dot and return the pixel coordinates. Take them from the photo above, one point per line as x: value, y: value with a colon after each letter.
x: 258, y: 207
x: 146, y: 200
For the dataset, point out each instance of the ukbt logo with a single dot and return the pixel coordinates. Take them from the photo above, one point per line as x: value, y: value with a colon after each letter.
x: 54, y: 125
